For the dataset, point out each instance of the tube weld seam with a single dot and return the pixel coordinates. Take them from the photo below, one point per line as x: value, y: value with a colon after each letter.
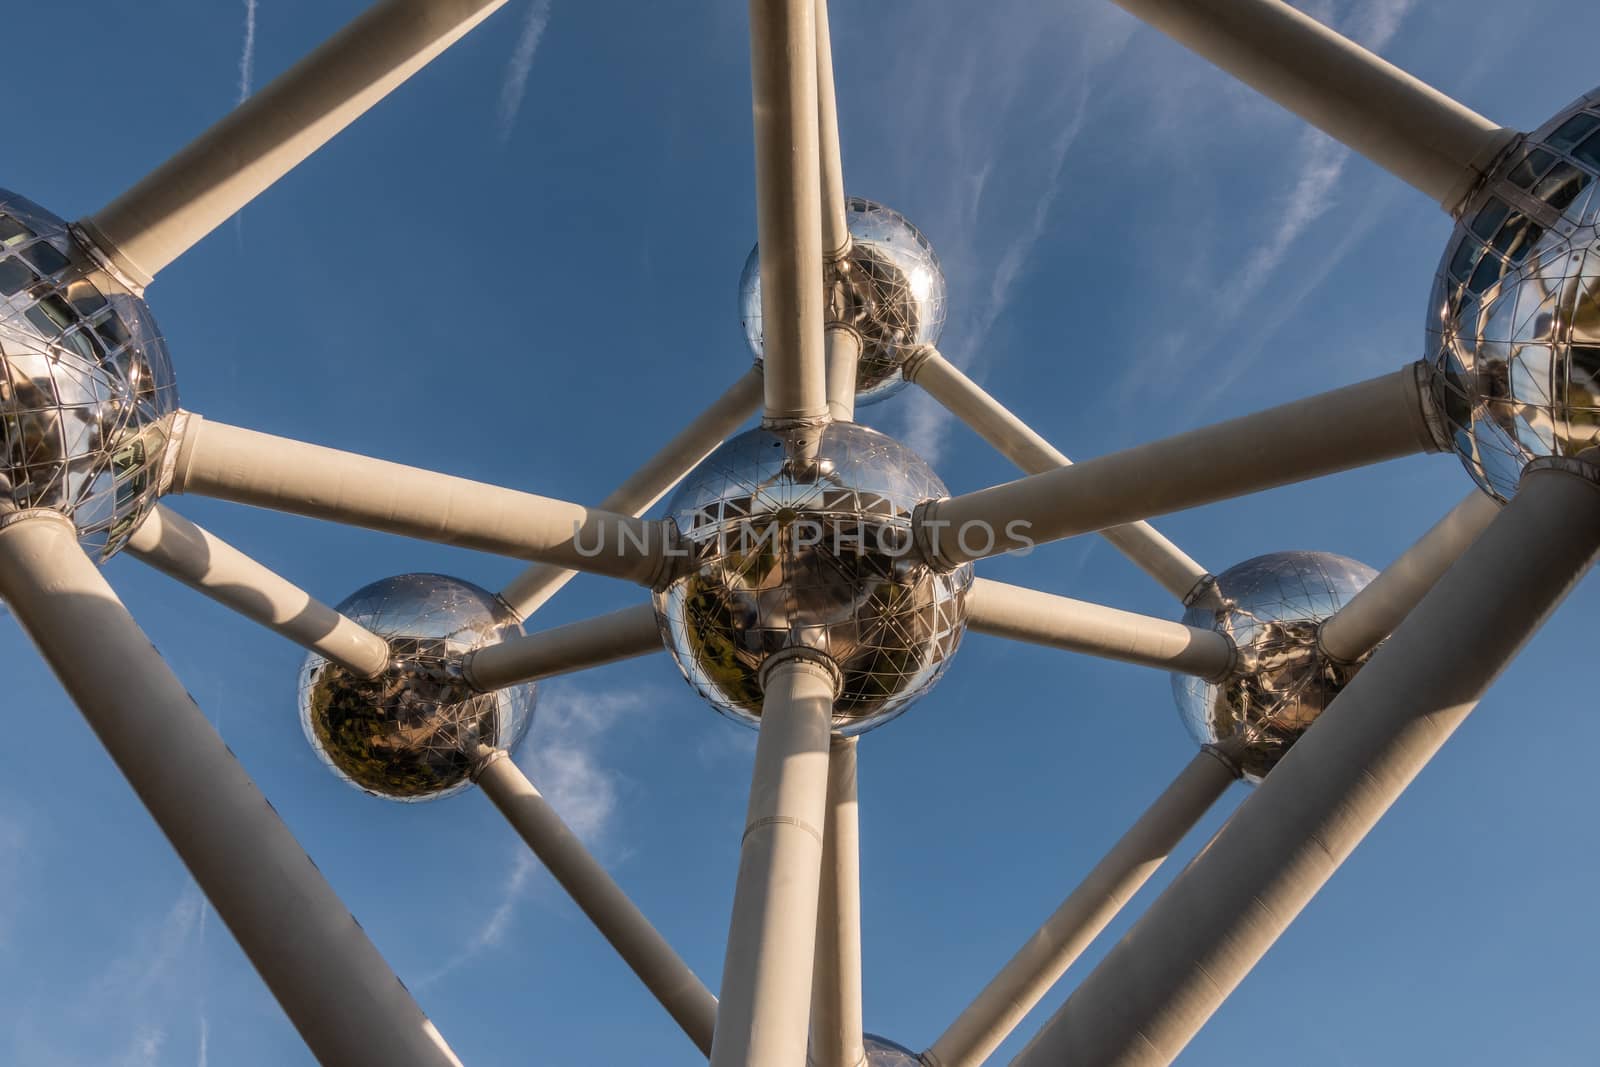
x: 1575, y: 465
x: 781, y: 820
x: 815, y: 660
x: 12, y: 518
x: 1434, y: 432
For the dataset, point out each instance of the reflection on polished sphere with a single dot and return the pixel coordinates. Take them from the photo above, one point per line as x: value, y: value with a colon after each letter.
x: 1514, y: 320
x: 885, y: 1053
x: 409, y: 734
x: 890, y: 288
x: 1271, y: 608
x: 821, y: 558
x: 86, y: 388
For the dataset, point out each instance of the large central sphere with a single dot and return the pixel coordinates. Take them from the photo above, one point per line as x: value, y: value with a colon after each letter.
x: 1271, y: 607
x: 411, y: 733
x: 1514, y: 321
x: 890, y: 289
x: 86, y: 387
x: 818, y: 557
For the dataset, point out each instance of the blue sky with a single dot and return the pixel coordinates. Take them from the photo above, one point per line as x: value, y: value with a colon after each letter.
x: 522, y: 268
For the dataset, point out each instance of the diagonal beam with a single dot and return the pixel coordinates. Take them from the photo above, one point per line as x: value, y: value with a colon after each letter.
x: 1199, y: 940
x: 765, y: 1004
x: 836, y: 1035
x: 783, y: 75
x: 535, y: 586
x: 1372, y: 421
x: 334, y: 986
x: 217, y: 460
x: 577, y: 646
x: 1014, y: 439
x: 1010, y: 611
x: 268, y: 135
x: 209, y: 565
x: 1374, y: 612
x: 1438, y: 145
x: 618, y: 919
x: 1040, y: 963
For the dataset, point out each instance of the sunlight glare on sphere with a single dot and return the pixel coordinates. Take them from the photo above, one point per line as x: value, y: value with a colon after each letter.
x: 1514, y: 320
x: 1272, y: 607
x: 87, y: 392
x: 410, y: 733
x: 882, y: 1052
x: 890, y: 288
x: 822, y: 559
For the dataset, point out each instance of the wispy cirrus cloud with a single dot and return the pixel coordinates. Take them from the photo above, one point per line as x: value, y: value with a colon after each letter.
x: 520, y: 66
x: 134, y: 1011
x: 247, y: 55
x: 1321, y: 161
x: 1318, y: 167
x: 247, y: 79
x: 13, y: 848
x: 562, y: 758
x: 993, y: 107
x: 146, y: 987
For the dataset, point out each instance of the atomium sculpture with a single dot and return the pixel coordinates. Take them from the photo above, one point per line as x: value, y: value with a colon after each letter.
x: 812, y: 578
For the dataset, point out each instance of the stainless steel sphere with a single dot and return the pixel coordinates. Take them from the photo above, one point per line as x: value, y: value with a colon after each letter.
x: 409, y: 734
x: 1514, y: 320
x: 86, y: 387
x: 890, y: 288
x: 1271, y: 608
x: 882, y: 1052
x: 819, y: 558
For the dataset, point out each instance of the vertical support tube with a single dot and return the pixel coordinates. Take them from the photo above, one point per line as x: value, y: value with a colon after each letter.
x: 835, y: 230
x: 1041, y: 962
x: 836, y: 977
x: 844, y: 352
x: 619, y: 921
x: 783, y: 72
x: 1159, y: 985
x: 765, y: 1002
x: 336, y: 989
x: 1400, y: 123
x: 1374, y: 612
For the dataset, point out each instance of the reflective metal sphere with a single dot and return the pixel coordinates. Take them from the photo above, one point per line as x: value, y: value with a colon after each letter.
x: 409, y: 734
x: 890, y: 288
x: 820, y: 558
x: 1271, y: 607
x: 884, y: 1053
x: 86, y: 387
x: 1514, y: 320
